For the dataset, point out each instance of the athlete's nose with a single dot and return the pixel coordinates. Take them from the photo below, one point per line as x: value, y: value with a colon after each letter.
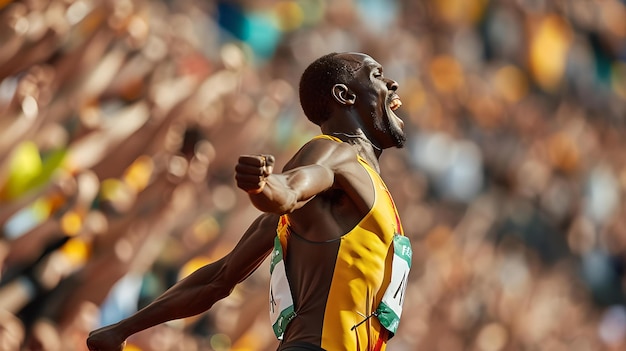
x: 392, y: 84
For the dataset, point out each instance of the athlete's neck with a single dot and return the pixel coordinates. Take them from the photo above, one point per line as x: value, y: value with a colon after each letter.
x: 369, y: 151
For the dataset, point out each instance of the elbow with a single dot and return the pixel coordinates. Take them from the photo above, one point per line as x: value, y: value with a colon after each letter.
x: 220, y: 291
x: 208, y: 295
x: 223, y: 285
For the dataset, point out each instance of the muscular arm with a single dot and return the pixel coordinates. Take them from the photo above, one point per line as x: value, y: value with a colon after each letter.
x: 199, y: 291
x: 313, y: 170
x: 286, y: 192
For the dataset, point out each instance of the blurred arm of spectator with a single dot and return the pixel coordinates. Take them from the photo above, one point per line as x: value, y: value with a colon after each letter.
x: 138, y: 199
x: 124, y: 137
x: 11, y: 22
x: 45, y: 286
x: 61, y: 187
x: 212, y: 282
x: 149, y: 139
x: 12, y: 331
x: 90, y: 150
x: 23, y: 119
x: 35, y: 33
x: 132, y: 244
x: 31, y: 54
x: 16, y: 294
x: 29, y: 246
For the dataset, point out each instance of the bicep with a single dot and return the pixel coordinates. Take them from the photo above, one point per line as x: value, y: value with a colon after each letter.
x: 308, y: 181
x: 334, y: 165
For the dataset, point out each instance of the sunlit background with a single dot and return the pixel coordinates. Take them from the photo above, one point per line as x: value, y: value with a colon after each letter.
x: 121, y: 122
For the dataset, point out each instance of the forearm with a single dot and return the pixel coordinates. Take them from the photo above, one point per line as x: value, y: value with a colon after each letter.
x: 189, y: 297
x: 200, y: 290
x: 182, y: 300
x: 287, y: 192
x: 275, y: 197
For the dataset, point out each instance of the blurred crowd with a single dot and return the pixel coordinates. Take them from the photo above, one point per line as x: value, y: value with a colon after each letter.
x: 121, y: 122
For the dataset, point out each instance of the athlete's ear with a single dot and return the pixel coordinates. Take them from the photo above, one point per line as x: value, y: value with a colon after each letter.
x: 343, y: 94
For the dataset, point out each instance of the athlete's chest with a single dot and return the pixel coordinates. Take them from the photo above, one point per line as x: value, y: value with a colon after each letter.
x: 328, y: 216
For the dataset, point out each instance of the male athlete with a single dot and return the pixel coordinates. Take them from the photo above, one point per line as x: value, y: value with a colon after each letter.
x: 339, y: 259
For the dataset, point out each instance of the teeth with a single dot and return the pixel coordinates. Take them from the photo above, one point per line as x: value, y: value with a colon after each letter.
x: 395, y: 104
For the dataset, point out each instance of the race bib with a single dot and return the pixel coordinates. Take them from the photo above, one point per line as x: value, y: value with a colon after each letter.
x: 281, y: 302
x: 389, y: 310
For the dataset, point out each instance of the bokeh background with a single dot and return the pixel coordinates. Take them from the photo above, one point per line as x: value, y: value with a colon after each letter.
x: 122, y: 120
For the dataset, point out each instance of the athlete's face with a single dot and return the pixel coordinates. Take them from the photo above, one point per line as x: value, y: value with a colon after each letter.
x: 376, y: 100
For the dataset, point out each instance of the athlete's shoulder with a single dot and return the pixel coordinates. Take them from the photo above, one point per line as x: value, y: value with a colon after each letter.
x: 324, y: 151
x: 338, y: 147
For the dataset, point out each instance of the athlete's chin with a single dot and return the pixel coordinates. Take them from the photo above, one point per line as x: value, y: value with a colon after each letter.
x: 398, y: 135
x: 396, y: 138
x: 400, y: 140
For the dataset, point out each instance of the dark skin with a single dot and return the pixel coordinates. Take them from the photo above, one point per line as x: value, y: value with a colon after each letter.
x: 323, y: 189
x: 199, y: 291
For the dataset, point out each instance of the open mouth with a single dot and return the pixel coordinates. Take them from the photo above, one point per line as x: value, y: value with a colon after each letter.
x: 395, y: 103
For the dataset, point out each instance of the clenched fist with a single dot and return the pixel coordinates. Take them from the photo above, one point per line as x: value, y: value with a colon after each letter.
x: 252, y: 171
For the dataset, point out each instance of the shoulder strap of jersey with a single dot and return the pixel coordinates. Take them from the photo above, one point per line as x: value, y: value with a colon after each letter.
x: 329, y: 137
